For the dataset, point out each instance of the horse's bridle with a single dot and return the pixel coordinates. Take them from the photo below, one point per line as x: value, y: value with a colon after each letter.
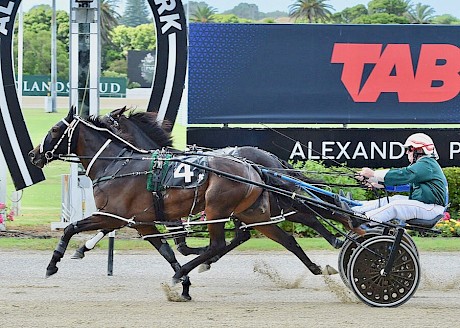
x: 68, y: 132
x: 112, y: 120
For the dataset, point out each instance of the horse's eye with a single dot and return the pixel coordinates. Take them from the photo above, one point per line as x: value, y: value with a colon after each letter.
x: 54, y: 131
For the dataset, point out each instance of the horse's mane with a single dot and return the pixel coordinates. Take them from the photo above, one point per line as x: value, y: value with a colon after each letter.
x: 96, y: 121
x: 147, y: 122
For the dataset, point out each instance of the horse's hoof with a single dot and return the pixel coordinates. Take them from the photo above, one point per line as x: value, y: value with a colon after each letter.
x: 328, y: 271
x: 78, y: 255
x: 175, y: 281
x: 51, y: 271
x: 186, y: 297
x: 204, y: 267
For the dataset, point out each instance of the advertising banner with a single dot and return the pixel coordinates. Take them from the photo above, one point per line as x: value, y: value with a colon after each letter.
x: 171, y: 58
x: 374, y: 148
x: 39, y: 85
x: 315, y: 73
x: 15, y: 140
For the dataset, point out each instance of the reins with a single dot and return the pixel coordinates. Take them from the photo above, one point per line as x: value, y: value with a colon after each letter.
x: 72, y: 126
x: 139, y: 150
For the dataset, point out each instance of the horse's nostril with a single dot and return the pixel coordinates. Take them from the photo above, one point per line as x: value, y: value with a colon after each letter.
x: 31, y: 155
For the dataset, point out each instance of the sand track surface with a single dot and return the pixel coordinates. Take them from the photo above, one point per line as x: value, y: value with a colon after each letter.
x: 244, y: 289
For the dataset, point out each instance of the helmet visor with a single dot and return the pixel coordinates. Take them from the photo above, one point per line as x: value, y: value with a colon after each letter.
x: 409, y: 148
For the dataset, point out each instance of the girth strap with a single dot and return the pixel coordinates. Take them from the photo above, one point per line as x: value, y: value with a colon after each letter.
x: 158, y: 205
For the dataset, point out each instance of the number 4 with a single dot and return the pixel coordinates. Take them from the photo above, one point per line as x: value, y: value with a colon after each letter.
x: 183, y: 171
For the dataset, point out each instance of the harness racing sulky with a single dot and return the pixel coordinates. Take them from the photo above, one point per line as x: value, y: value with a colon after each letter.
x: 141, y: 182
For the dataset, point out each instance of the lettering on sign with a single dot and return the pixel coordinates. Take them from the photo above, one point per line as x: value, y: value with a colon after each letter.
x: 5, y: 17
x: 169, y: 20
x: 40, y: 86
x: 454, y: 149
x: 337, y: 150
x: 435, y: 79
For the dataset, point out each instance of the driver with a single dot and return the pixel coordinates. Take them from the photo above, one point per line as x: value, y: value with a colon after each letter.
x: 428, y: 195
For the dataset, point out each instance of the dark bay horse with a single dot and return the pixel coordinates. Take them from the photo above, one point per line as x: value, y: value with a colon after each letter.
x: 123, y: 200
x: 135, y: 122
x: 142, y: 129
x: 146, y: 122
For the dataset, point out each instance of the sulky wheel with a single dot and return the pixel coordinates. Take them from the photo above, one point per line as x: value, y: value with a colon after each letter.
x: 409, y: 241
x: 406, y: 238
x: 366, y: 268
x: 350, y: 245
x: 347, y: 249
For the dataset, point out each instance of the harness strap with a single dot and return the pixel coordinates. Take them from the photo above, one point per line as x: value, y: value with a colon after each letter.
x: 189, y: 223
x: 195, y: 197
x: 167, y: 234
x: 114, y: 216
x: 111, y: 177
x: 79, y: 119
x: 104, y: 146
x: 273, y: 220
x: 158, y: 205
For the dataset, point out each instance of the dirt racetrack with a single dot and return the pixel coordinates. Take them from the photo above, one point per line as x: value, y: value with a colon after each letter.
x: 244, y: 289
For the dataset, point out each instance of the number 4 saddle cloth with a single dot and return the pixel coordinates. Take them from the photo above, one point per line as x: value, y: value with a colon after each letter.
x: 165, y: 174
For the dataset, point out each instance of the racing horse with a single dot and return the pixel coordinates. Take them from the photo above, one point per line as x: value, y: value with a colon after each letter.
x: 142, y: 127
x: 137, y: 122
x: 119, y: 169
x: 147, y: 123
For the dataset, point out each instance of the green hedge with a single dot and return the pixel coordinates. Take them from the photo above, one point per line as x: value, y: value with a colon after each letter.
x: 453, y: 179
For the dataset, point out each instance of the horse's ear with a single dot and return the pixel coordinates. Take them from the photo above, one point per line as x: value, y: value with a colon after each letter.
x: 118, y: 112
x: 70, y: 114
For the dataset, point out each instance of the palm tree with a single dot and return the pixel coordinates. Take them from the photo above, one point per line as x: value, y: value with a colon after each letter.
x: 109, y: 19
x: 312, y: 10
x: 420, y: 14
x: 203, y: 14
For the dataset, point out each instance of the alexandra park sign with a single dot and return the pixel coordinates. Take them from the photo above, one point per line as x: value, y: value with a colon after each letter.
x: 39, y: 85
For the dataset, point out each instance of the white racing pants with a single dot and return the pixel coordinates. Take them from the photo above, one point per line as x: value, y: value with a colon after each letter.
x: 398, y: 207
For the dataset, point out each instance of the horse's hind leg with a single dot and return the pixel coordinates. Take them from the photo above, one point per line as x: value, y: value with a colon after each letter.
x: 280, y: 236
x: 185, y: 250
x: 241, y: 236
x: 166, y: 251
x: 89, y: 245
x: 312, y: 222
x: 216, y: 246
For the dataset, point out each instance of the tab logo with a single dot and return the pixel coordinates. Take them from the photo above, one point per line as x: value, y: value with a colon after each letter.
x: 436, y: 78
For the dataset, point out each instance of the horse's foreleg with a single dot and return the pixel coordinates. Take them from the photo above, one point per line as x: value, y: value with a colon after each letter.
x: 166, y: 251
x: 88, y: 224
x: 60, y: 249
x: 89, y: 245
x: 280, y: 236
